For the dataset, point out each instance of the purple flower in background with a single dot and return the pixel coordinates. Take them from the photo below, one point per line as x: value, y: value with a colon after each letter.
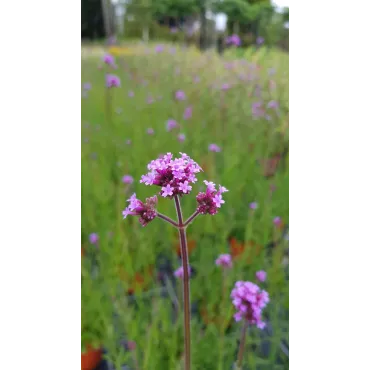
x: 131, y: 94
x: 196, y: 79
x: 159, y: 48
x: 173, y: 30
x: 271, y: 71
x: 277, y: 221
x: 113, y: 81
x: 273, y: 104
x: 112, y: 40
x: 150, y: 131
x: 171, y: 124
x: 253, y: 205
x: 260, y: 40
x: 224, y: 260
x: 87, y: 86
x: 188, y: 113
x: 127, y: 179
x: 257, y: 109
x: 181, y: 137
x: 214, y: 148
x: 225, y: 86
x: 128, y: 142
x: 150, y: 100
x: 93, y: 238
x: 180, y: 95
x: 261, y: 276
x: 108, y: 59
x: 233, y: 40
x: 179, y: 273
x: 249, y: 301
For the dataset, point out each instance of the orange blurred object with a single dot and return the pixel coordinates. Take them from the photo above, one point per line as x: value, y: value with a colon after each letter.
x: 237, y: 249
x: 91, y: 358
x: 192, y: 244
x: 140, y: 279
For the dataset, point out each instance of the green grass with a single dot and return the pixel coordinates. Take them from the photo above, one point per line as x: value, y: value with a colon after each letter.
x: 223, y: 118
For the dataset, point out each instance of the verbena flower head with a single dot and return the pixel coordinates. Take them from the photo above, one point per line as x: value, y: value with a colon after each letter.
x: 224, y: 260
x: 87, y: 86
x: 249, y: 301
x: 108, y: 59
x: 179, y: 273
x: 127, y: 179
x: 257, y: 109
x: 211, y: 200
x: 150, y: 131
x: 214, y: 148
x: 159, y: 48
x: 188, y: 113
x: 253, y: 205
x: 147, y: 211
x: 277, y: 221
x: 225, y: 87
x: 273, y: 104
x: 181, y: 137
x: 261, y: 276
x: 260, y: 40
x: 113, y: 81
x: 171, y: 124
x: 180, y: 95
x: 131, y: 94
x: 93, y: 238
x: 172, y: 175
x: 233, y: 40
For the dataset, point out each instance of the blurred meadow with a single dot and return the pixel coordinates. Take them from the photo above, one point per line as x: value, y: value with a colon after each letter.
x: 233, y: 122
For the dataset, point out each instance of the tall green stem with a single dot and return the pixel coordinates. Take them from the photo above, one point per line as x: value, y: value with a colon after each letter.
x: 243, y: 337
x: 185, y: 282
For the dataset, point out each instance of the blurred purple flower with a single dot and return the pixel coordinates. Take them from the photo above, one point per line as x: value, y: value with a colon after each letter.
x: 87, y: 86
x: 150, y: 100
x: 261, y: 276
x: 196, y: 79
x: 131, y: 94
x: 93, y: 238
x: 225, y: 86
x: 180, y: 95
x: 277, y: 221
x: 127, y: 179
x: 188, y: 113
x: 181, y: 137
x: 225, y: 261
x: 150, y: 131
x: 171, y: 124
x: 179, y: 273
x: 108, y: 59
x: 253, y: 205
x: 159, y: 48
x: 128, y: 142
x: 113, y: 81
x: 273, y: 104
x: 233, y: 40
x: 260, y: 40
x: 214, y: 148
x: 257, y: 109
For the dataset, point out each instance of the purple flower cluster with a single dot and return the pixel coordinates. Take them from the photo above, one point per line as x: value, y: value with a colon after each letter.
x: 171, y: 124
x: 113, y: 81
x: 209, y: 201
x: 233, y: 40
x: 172, y: 175
x: 224, y: 260
x: 109, y: 59
x: 249, y: 301
x: 147, y: 211
x: 179, y: 273
x: 180, y: 95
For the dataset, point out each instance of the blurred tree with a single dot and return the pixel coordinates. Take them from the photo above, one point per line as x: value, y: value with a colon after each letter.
x: 92, y: 24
